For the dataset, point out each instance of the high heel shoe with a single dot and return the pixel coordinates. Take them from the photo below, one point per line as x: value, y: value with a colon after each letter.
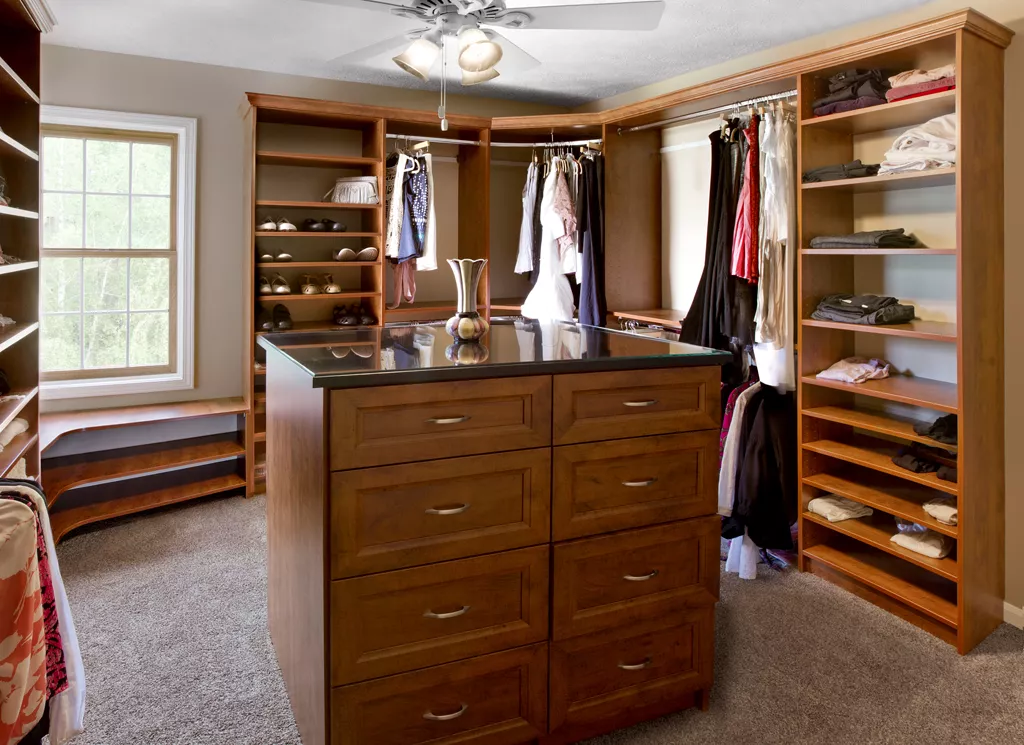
x: 330, y: 286
x: 309, y: 287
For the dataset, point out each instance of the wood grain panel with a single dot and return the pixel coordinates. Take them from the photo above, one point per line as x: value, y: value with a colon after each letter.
x: 605, y: 486
x: 503, y: 700
x: 401, y: 424
x: 616, y: 580
x: 401, y: 516
x: 413, y: 618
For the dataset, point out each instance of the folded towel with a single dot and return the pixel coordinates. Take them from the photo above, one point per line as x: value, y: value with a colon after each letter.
x: 942, y: 509
x: 856, y: 370
x: 13, y: 429
x: 920, y: 89
x: 928, y: 543
x: 836, y: 509
x: 910, y: 77
x: 894, y: 238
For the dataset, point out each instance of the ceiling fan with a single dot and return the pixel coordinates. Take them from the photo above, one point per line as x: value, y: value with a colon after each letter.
x: 480, y: 51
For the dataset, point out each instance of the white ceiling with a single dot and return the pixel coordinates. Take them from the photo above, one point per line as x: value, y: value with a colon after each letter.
x: 300, y: 38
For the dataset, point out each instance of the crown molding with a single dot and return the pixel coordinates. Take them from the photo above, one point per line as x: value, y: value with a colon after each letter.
x: 40, y: 14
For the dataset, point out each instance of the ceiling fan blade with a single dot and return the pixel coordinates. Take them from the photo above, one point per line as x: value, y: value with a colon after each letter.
x: 384, y: 5
x: 384, y: 47
x: 514, y: 59
x: 639, y: 16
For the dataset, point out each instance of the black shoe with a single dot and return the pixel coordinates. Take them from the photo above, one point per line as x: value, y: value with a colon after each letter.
x: 332, y: 226
x: 264, y: 322
x: 282, y: 318
x: 366, y: 317
x: 313, y: 226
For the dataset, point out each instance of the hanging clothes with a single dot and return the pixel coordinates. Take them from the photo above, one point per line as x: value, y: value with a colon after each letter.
x: 551, y: 298
x: 397, y: 165
x: 565, y: 208
x: 411, y: 240
x: 427, y: 261
x: 524, y: 259
x: 745, y: 231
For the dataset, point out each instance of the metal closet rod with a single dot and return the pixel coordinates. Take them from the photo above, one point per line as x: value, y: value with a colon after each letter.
x: 707, y: 112
x: 435, y: 140
x: 573, y: 143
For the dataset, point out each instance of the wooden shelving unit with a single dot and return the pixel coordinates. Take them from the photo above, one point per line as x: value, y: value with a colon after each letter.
x: 949, y: 360
x: 19, y: 230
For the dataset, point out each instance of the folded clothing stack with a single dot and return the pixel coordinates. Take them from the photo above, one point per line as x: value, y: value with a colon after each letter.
x: 942, y: 429
x: 897, y: 238
x: 914, y: 83
x: 923, y: 459
x: 942, y: 509
x: 852, y: 89
x: 931, y: 145
x: 923, y: 541
x: 839, y: 171
x: 836, y: 509
x: 856, y: 370
x: 865, y: 310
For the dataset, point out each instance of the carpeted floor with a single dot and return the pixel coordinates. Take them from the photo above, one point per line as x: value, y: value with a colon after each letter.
x: 171, y: 615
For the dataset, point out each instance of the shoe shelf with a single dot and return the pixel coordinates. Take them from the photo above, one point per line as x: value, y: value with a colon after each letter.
x: 928, y: 330
x: 876, y: 454
x: 311, y: 326
x: 15, y: 268
x: 319, y: 234
x: 15, y: 212
x: 10, y: 409
x: 896, y: 115
x: 12, y: 85
x: 285, y: 205
x: 11, y: 335
x: 273, y: 158
x: 932, y: 394
x: 10, y: 143
x: 872, y: 421
x: 878, y: 251
x: 887, y: 182
x: 315, y: 264
x: 321, y: 296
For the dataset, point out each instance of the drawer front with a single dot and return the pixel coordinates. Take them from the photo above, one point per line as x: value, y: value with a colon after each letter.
x: 500, y: 699
x: 612, y: 581
x: 609, y: 486
x: 408, y: 423
x: 413, y: 618
x: 598, y: 681
x: 608, y: 406
x: 421, y: 513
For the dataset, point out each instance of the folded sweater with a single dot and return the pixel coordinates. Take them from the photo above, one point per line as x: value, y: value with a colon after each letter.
x: 856, y: 370
x: 896, y: 238
x: 910, y: 77
x: 943, y: 509
x: 836, y: 509
x: 920, y: 89
x: 927, y: 543
x: 931, y: 145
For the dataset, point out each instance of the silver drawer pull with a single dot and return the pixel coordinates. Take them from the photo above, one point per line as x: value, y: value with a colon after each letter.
x: 645, y: 482
x: 640, y: 404
x: 639, y: 666
x: 640, y: 578
x: 446, y: 717
x: 454, y: 614
x: 448, y: 420
x: 447, y: 510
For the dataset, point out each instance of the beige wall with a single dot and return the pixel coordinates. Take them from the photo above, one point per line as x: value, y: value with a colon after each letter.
x: 214, y: 95
x: 1010, y: 13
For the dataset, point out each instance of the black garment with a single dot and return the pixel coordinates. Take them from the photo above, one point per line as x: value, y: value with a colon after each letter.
x: 947, y: 474
x: 851, y: 84
x: 909, y: 461
x: 865, y: 310
x: 766, y: 487
x: 593, y: 307
x: 734, y: 525
x: 942, y: 430
x: 896, y: 238
x: 853, y: 169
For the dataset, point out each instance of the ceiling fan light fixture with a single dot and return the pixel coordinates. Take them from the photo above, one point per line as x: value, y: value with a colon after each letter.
x: 477, y: 53
x: 475, y: 78
x: 419, y: 58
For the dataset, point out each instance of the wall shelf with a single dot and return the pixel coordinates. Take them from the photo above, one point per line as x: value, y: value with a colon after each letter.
x: 874, y: 421
x: 11, y: 335
x: 916, y: 329
x: 283, y: 204
x: 878, y: 251
x: 12, y: 84
x: 323, y: 234
x: 876, y: 454
x: 12, y: 144
x: 15, y: 212
x: 933, y: 394
x: 24, y: 266
x: 887, y: 182
x: 273, y: 158
x: 895, y: 115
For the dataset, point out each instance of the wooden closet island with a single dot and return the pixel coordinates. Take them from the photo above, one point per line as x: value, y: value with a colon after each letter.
x: 521, y: 549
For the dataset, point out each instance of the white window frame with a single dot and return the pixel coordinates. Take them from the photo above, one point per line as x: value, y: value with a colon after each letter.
x: 185, y: 129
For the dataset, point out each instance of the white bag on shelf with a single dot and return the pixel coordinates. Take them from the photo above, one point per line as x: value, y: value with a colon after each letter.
x: 354, y: 190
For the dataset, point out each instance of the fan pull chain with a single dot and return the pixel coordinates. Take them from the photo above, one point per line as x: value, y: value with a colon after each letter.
x: 442, y: 109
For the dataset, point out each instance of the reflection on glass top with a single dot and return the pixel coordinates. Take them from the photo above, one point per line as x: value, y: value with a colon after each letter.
x: 429, y: 347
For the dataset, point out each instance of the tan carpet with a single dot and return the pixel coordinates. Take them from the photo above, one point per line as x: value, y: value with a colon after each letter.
x: 171, y: 617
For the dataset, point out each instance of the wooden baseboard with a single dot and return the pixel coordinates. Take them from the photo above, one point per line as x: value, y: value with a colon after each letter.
x: 1013, y: 615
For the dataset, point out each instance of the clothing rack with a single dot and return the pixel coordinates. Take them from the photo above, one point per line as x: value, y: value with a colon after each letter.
x: 708, y: 112
x: 434, y: 140
x: 573, y: 143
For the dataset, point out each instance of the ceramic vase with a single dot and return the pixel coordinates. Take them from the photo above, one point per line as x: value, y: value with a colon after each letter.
x: 467, y: 325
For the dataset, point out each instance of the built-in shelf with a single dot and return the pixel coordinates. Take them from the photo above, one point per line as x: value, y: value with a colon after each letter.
x: 306, y: 326
x: 286, y: 205
x: 896, y: 115
x: 318, y: 234
x: 916, y: 329
x: 933, y: 394
x: 893, y: 496
x: 323, y: 297
x: 15, y: 450
x: 259, y: 437
x: 876, y: 454
x: 12, y: 84
x: 315, y: 264
x: 888, y: 182
x: 16, y: 212
x: 874, y: 421
x: 437, y: 309
x: 878, y: 251
x: 507, y: 304
x: 272, y: 158
x: 11, y: 335
x: 23, y: 266
x: 13, y: 144
x: 13, y: 406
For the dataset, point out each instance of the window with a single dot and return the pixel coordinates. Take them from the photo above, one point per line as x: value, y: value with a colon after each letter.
x: 117, y: 260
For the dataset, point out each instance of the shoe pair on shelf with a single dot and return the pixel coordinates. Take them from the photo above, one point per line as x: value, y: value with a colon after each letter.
x: 323, y: 226
x: 277, y: 286
x: 355, y: 315
x: 311, y: 287
x: 347, y: 254
x: 277, y: 320
x: 5, y: 259
x: 268, y: 224
x: 281, y: 258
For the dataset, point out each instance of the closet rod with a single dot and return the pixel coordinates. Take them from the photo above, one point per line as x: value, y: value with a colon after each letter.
x: 574, y: 143
x: 435, y: 140
x: 707, y: 112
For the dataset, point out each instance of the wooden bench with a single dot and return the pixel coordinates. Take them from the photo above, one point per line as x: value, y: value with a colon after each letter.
x: 89, y: 487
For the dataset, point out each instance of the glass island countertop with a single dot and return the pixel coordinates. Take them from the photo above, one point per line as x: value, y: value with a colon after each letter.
x: 425, y: 353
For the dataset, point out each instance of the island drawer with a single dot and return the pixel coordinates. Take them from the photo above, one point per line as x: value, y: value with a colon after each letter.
x: 615, y: 405
x: 420, y: 513
x: 613, y: 580
x: 413, y: 618
x: 499, y: 699
x: 407, y: 423
x: 599, y: 681
x: 608, y: 486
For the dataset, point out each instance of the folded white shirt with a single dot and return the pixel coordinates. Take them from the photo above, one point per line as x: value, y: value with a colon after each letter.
x: 856, y: 370
x: 836, y: 509
x: 943, y: 509
x: 930, y: 145
x: 929, y: 543
x: 913, y: 77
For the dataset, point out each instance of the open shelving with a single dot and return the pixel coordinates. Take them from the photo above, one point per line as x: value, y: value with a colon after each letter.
x: 948, y: 360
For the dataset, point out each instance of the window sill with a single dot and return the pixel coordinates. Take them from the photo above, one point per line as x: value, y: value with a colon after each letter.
x: 68, y: 389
